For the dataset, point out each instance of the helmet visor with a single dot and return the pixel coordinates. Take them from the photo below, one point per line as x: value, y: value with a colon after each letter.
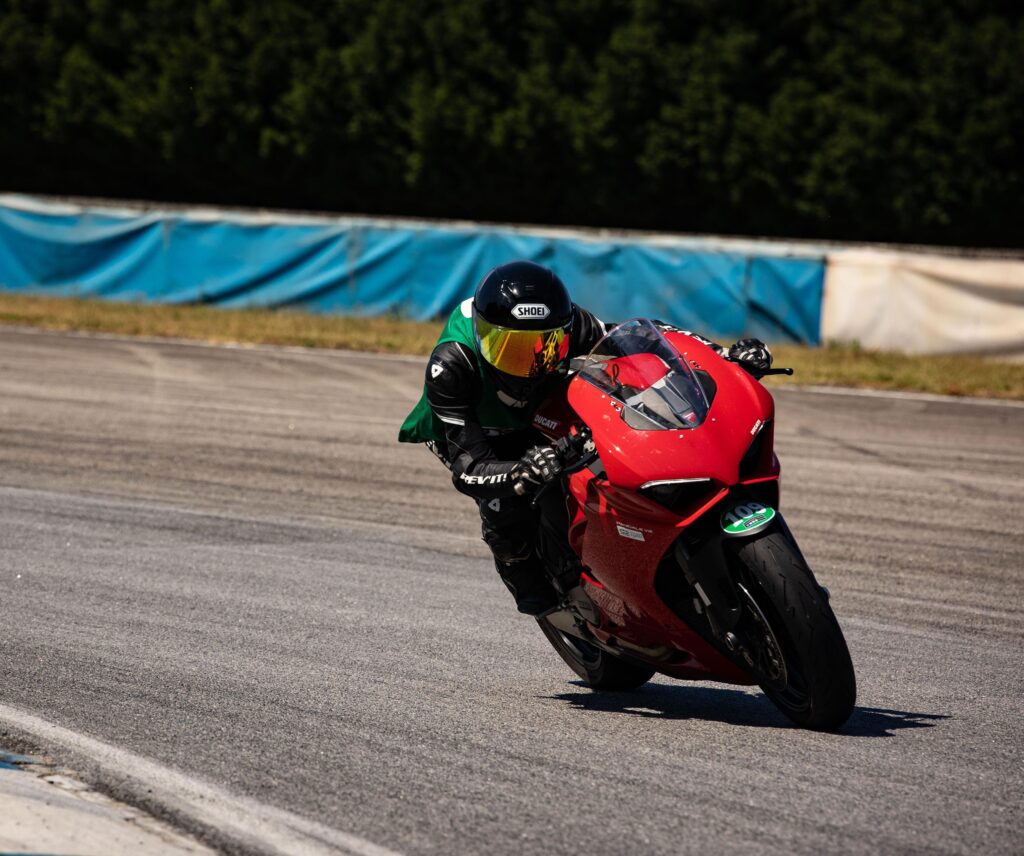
x: 522, y: 353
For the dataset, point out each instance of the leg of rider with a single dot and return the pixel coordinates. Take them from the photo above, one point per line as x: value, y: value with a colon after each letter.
x: 509, y: 527
x: 553, y: 540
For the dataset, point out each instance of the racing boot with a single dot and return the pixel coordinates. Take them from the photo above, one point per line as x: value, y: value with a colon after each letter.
x: 566, y: 578
x: 567, y: 575
x: 529, y: 585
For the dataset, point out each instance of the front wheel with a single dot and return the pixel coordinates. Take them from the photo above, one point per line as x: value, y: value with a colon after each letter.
x: 800, y: 658
x: 598, y: 669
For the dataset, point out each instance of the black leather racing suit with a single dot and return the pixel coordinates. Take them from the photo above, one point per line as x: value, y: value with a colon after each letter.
x: 523, y: 540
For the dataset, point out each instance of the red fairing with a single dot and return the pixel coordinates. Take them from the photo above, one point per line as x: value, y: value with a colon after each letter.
x: 672, y: 489
x: 740, y: 408
x: 622, y: 536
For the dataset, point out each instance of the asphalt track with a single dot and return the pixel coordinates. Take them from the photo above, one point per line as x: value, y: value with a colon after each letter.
x: 219, y: 561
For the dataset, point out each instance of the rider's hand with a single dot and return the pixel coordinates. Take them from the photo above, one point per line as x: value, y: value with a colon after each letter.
x: 752, y: 354
x: 539, y: 466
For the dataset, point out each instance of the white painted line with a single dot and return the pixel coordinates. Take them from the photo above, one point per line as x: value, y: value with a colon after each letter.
x: 198, y: 343
x: 906, y: 396
x: 421, y: 360
x: 248, y: 824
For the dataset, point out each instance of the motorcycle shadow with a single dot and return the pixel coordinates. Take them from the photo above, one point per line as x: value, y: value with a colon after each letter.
x: 882, y: 721
x: 733, y: 707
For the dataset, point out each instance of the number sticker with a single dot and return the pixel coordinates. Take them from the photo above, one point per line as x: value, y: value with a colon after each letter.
x: 747, y: 518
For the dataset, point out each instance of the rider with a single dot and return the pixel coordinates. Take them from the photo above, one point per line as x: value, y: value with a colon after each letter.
x: 499, y: 356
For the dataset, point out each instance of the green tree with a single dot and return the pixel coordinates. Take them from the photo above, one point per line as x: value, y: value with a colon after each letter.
x: 899, y: 120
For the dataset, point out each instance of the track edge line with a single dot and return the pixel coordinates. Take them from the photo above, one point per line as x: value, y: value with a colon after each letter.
x: 226, y: 820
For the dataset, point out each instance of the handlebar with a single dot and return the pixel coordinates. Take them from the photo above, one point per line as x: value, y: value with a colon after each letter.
x: 775, y: 371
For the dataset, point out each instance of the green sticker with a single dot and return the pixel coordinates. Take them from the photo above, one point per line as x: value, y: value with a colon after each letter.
x: 746, y: 518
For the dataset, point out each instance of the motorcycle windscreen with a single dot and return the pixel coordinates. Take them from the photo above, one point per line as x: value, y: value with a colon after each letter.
x: 638, y: 367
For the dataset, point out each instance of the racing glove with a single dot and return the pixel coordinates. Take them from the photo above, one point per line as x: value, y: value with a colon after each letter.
x: 751, y: 354
x: 538, y: 466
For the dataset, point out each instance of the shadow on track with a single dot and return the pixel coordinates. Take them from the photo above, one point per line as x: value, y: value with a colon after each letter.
x: 882, y: 722
x: 672, y: 701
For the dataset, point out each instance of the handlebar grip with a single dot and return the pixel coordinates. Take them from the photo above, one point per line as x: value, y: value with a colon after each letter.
x: 583, y: 462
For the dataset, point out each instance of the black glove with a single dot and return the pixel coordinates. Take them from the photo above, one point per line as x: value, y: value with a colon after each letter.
x: 537, y: 467
x: 752, y: 354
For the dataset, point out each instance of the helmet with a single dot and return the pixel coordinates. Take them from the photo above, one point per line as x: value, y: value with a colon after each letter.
x: 522, y: 316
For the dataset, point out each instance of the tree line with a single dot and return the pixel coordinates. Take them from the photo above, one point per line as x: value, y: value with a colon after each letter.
x: 893, y: 120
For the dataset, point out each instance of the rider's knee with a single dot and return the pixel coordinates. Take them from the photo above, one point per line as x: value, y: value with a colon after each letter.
x: 507, y: 549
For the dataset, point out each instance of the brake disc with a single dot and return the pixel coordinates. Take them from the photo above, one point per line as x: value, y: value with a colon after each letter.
x: 770, y: 661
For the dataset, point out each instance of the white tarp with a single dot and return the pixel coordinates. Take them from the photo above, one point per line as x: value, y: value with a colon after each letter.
x: 923, y: 303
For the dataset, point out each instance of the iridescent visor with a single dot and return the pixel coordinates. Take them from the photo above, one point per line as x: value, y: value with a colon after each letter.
x: 522, y: 353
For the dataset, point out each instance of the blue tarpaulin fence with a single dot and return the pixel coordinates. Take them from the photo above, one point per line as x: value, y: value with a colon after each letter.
x: 417, y: 270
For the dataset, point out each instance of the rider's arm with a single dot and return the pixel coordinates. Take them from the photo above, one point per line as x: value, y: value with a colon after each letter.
x: 721, y: 350
x: 453, y: 388
x: 587, y: 330
x: 752, y: 354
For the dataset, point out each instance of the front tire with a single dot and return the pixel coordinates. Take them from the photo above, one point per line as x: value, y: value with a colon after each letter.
x: 801, y: 659
x: 598, y: 669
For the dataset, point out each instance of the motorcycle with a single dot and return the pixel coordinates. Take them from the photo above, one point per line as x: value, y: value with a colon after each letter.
x: 689, y: 569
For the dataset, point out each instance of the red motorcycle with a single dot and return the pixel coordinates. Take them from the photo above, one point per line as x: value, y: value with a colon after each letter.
x: 690, y: 569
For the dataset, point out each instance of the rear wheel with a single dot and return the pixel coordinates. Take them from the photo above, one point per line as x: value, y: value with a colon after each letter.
x: 598, y: 669
x: 800, y: 658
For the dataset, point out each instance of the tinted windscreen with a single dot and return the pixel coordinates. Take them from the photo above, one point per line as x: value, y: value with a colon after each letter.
x: 637, y: 366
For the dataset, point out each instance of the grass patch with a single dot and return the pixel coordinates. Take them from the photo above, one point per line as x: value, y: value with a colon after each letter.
x: 247, y: 326
x: 833, y: 365
x: 849, y: 365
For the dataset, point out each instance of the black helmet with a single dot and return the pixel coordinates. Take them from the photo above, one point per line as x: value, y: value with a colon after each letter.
x: 522, y: 315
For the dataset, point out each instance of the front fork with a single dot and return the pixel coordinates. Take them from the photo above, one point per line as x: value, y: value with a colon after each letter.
x: 706, y: 571
x: 701, y: 554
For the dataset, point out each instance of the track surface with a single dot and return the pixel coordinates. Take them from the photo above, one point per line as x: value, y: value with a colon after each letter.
x: 219, y: 559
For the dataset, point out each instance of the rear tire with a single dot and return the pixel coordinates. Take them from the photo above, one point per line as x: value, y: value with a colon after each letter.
x: 813, y: 682
x: 598, y: 669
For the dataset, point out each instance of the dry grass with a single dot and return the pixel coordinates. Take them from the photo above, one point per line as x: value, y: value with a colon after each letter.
x: 849, y: 365
x: 251, y: 326
x: 834, y: 365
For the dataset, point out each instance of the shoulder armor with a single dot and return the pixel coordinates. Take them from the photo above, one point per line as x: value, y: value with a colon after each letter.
x: 451, y: 375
